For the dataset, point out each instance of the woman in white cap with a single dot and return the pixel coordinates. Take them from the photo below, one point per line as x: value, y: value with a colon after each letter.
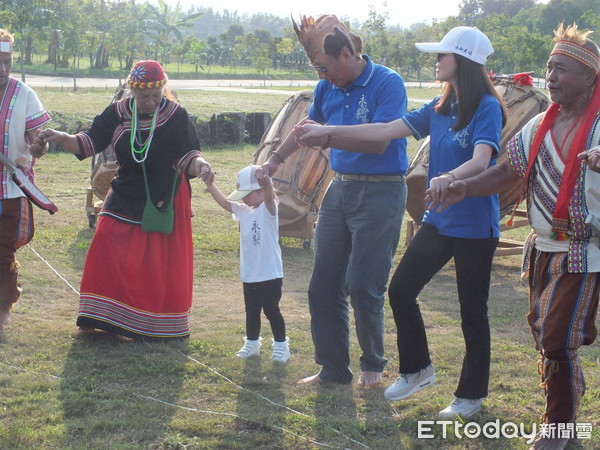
x: 464, y: 125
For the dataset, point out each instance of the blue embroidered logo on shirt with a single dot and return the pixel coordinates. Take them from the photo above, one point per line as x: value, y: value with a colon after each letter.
x: 461, y: 137
x: 363, y: 110
x: 256, y: 235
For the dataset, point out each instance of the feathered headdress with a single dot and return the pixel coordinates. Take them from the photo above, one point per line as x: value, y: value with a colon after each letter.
x: 312, y: 34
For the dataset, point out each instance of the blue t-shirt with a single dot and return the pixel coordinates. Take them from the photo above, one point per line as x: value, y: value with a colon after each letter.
x: 474, y: 217
x: 378, y: 95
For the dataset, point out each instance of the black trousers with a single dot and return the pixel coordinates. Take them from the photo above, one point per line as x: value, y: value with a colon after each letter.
x: 426, y: 255
x: 264, y: 296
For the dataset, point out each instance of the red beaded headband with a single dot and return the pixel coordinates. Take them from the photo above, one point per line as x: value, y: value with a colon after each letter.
x: 578, y: 52
x: 147, y: 75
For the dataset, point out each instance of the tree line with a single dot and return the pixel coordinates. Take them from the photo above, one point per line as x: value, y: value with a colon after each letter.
x: 113, y: 34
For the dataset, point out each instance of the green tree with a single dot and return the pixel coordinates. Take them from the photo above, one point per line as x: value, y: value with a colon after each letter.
x: 263, y: 36
x: 375, y: 36
x: 213, y: 51
x: 197, y: 51
x: 23, y: 18
x: 516, y: 48
x: 261, y: 60
x: 127, y: 37
x: 567, y: 11
x: 471, y: 10
x: 70, y: 23
x: 229, y: 39
x: 285, y: 47
x: 167, y: 22
x: 590, y: 20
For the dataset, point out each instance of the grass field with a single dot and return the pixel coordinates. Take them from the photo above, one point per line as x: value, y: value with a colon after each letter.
x: 62, y: 390
x: 202, y: 103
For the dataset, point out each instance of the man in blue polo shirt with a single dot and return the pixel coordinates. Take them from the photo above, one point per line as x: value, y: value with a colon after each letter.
x: 361, y: 214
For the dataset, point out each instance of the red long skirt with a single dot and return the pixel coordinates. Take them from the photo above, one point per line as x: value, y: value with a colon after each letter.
x: 139, y: 284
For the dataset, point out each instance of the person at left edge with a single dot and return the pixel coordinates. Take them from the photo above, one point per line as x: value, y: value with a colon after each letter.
x: 21, y: 116
x: 138, y: 283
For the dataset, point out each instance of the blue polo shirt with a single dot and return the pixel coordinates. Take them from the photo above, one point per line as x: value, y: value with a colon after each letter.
x: 377, y: 95
x: 474, y: 217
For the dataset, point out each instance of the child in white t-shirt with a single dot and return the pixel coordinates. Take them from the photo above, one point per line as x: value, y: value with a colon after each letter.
x: 261, y: 267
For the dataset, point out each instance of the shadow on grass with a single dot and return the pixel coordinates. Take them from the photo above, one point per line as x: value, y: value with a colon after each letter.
x: 335, y: 415
x: 111, y: 391
x: 79, y: 247
x: 263, y: 422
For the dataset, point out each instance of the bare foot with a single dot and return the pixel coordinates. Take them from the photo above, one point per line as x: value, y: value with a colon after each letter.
x: 314, y: 379
x: 4, y: 316
x: 369, y: 378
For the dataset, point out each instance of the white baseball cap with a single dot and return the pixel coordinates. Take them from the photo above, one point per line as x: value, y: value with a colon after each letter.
x: 465, y: 41
x: 246, y: 183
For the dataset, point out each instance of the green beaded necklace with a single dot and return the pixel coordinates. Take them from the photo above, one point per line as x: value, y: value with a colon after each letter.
x: 133, y: 140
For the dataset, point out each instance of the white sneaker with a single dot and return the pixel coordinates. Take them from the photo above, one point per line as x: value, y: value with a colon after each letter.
x: 250, y: 348
x: 409, y: 383
x: 462, y: 407
x: 281, y: 350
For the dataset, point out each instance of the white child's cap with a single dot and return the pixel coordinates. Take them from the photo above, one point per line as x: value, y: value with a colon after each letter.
x: 466, y: 41
x: 246, y: 183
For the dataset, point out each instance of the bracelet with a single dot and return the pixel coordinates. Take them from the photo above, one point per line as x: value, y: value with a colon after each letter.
x: 278, y: 156
x: 451, y: 175
x: 328, y: 143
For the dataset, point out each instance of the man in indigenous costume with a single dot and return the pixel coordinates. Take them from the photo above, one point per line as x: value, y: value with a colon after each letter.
x: 138, y: 275
x: 361, y: 214
x: 557, y: 156
x: 21, y: 115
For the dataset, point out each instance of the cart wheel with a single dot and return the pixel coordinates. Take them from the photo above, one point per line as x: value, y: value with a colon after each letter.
x: 306, y: 243
x: 91, y: 220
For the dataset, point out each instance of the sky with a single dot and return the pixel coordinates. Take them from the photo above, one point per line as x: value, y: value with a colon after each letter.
x: 401, y: 12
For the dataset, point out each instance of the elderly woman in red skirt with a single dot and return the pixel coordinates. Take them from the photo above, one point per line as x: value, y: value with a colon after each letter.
x: 138, y: 275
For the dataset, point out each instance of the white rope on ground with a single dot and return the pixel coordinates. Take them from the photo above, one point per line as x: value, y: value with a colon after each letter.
x: 267, y: 399
x: 215, y: 372
x: 30, y: 371
x: 285, y: 430
x: 53, y: 269
x: 173, y: 405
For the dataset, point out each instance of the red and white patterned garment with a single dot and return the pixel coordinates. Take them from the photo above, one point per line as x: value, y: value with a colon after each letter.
x: 137, y: 283
x: 564, y: 275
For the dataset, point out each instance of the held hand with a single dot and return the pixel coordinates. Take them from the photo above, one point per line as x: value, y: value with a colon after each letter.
x: 311, y: 134
x: 38, y: 147
x: 203, y: 170
x: 591, y: 157
x: 455, y: 192
x: 263, y: 179
x: 49, y: 135
x: 438, y: 187
x: 270, y: 166
x: 205, y: 175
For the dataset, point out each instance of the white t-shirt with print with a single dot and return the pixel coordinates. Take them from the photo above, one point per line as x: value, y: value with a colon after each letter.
x: 260, y: 254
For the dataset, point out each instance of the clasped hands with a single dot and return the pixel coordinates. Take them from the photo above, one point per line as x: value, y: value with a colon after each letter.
x: 203, y: 170
x: 591, y: 157
x: 39, y: 146
x: 310, y: 134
